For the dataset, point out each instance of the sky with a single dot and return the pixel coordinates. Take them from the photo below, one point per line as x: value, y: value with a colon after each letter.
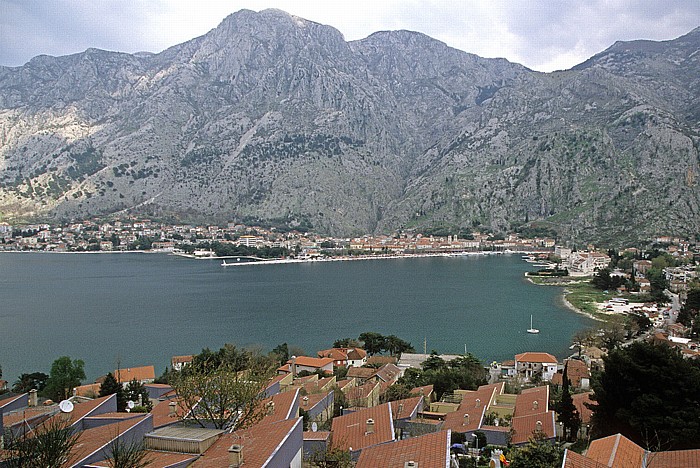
x: 543, y: 35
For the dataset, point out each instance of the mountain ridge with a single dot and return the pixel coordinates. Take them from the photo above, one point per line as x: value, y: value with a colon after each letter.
x: 270, y: 117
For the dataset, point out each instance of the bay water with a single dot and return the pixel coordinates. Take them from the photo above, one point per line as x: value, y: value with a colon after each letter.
x: 139, y: 309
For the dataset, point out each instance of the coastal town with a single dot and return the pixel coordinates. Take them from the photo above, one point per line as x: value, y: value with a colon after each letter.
x: 373, y: 401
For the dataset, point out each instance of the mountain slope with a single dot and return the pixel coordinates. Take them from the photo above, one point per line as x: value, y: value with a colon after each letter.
x: 272, y: 117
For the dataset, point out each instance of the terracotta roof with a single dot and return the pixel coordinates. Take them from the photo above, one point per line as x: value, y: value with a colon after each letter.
x: 576, y: 370
x: 336, y: 354
x: 388, y: 373
x: 258, y: 443
x: 87, y: 408
x: 156, y: 460
x: 89, y: 390
x: 345, y: 383
x: 312, y: 400
x: 93, y: 440
x: 356, y: 354
x: 361, y: 372
x: 318, y: 435
x: 282, y: 409
x: 471, y: 410
x: 139, y: 373
x: 27, y: 414
x: 161, y: 413
x: 307, y: 361
x: 429, y: 451
x: 9, y: 399
x: 674, y: 459
x: 425, y: 390
x: 535, y: 357
x: 616, y: 450
x: 575, y: 460
x: 532, y: 401
x: 401, y: 409
x: 362, y: 391
x: 525, y: 426
x: 580, y: 401
x: 182, y: 359
x: 508, y: 362
x: 319, y: 385
x: 350, y: 430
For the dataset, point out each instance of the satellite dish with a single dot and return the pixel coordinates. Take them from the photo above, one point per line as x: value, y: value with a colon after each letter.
x: 314, y: 427
x: 66, y: 406
x: 130, y: 404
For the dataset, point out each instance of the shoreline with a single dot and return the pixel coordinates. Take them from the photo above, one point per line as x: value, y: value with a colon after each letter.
x: 565, y: 301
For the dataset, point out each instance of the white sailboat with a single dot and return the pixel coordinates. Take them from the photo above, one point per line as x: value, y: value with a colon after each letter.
x: 531, y: 329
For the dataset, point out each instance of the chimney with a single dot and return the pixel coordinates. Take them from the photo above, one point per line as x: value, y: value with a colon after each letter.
x: 172, y: 409
x: 33, y: 398
x: 271, y: 407
x: 538, y: 426
x: 400, y: 408
x: 293, y: 366
x: 535, y: 404
x: 478, y: 402
x: 235, y: 456
x: 410, y: 464
x: 370, y: 426
x: 466, y: 420
x: 305, y: 401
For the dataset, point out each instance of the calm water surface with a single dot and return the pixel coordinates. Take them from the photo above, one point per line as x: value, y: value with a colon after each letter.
x: 143, y: 308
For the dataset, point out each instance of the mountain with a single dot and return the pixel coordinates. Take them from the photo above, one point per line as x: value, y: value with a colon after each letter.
x: 276, y: 119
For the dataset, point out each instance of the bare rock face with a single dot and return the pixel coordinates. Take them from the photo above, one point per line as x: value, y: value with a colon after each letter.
x: 276, y: 119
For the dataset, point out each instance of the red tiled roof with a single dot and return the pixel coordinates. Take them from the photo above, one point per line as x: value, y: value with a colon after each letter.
x: 95, y: 439
x: 532, y: 401
x: 575, y: 460
x: 429, y: 451
x: 182, y: 359
x: 161, y: 412
x: 311, y: 400
x: 307, y: 361
x: 318, y: 435
x: 83, y: 409
x: 425, y: 390
x: 576, y: 370
x: 616, y: 450
x: 674, y: 459
x: 525, y: 426
x: 7, y: 400
x: 362, y: 391
x: 344, y: 383
x: 388, y: 373
x: 156, y: 460
x: 350, y: 430
x: 535, y: 357
x: 89, y: 390
x: 471, y: 410
x: 401, y: 409
x: 580, y: 401
x: 361, y: 372
x: 258, y: 444
x: 139, y: 373
x: 282, y: 408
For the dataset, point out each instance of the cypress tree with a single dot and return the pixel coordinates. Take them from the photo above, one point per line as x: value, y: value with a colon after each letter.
x: 566, y: 410
x: 110, y: 386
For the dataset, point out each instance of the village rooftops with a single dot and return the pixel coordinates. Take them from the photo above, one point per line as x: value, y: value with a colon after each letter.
x: 535, y: 357
x: 144, y: 374
x: 363, y: 428
x: 428, y: 451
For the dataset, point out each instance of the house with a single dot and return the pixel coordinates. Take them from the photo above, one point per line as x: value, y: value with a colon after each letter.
x: 362, y: 429
x: 361, y: 373
x: 268, y: 445
x: 528, y: 365
x: 318, y: 406
x: 577, y: 373
x: 345, y: 357
x: 308, y: 364
x: 364, y: 396
x: 426, y: 451
x: 617, y: 451
x: 178, y: 362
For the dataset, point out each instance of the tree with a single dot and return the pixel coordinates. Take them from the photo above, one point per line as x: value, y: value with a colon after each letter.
x: 582, y: 339
x: 396, y: 346
x: 136, y: 391
x: 346, y: 343
x: 331, y: 458
x: 373, y: 342
x: 47, y: 445
x: 658, y: 283
x: 65, y: 375
x: 281, y: 353
x: 127, y: 454
x: 110, y: 386
x: 538, y: 453
x: 689, y: 312
x: 612, y: 335
x: 396, y: 392
x: 649, y: 394
x: 224, y: 397
x: 566, y: 410
x: 434, y: 362
x: 26, y: 382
